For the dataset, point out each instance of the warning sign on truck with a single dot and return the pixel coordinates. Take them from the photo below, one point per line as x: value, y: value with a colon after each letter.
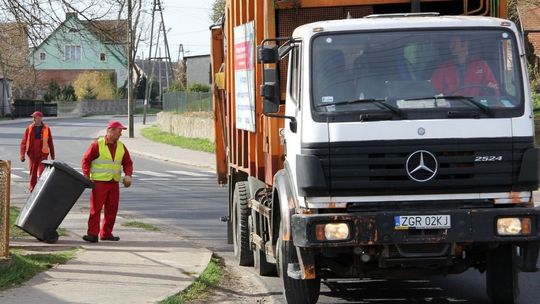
x: 244, y: 88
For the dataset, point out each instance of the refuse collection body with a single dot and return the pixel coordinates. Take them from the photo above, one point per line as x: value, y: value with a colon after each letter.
x: 57, y: 190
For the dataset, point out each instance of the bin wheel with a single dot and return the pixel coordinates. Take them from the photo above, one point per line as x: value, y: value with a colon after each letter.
x: 51, y: 237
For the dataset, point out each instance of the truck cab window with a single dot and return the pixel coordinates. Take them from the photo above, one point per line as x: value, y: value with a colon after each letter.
x: 427, y: 73
x: 509, y: 72
x: 294, y: 77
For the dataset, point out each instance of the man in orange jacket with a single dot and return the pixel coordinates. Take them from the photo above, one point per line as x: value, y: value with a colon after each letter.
x: 37, y: 143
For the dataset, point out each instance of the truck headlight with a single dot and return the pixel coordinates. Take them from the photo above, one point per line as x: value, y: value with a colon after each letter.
x: 513, y: 226
x: 332, y: 232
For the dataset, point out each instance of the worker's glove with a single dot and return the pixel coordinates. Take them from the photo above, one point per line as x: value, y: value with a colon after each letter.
x: 22, y: 159
x: 127, y: 181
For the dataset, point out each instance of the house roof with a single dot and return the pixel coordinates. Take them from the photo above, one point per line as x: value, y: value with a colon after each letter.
x: 530, y: 16
x: 153, y: 67
x: 530, y: 21
x: 109, y: 31
x: 100, y: 29
x: 196, y: 56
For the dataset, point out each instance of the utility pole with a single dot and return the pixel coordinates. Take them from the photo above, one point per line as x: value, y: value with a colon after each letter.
x: 130, y: 71
x: 156, y: 6
x: 149, y: 77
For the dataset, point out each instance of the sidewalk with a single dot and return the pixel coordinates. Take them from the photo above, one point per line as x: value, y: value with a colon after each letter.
x: 143, y: 267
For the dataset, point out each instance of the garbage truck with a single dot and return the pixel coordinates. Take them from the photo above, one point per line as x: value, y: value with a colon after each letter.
x: 376, y: 139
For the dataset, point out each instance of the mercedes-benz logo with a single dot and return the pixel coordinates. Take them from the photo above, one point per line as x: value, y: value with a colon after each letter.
x: 422, y: 166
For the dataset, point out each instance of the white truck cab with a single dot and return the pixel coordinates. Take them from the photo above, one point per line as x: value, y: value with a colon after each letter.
x: 410, y: 149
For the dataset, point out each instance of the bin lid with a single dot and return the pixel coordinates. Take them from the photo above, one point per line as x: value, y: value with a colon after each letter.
x: 69, y: 170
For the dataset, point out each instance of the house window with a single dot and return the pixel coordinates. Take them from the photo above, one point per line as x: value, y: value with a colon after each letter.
x: 102, y: 57
x: 72, y: 52
x: 42, y: 56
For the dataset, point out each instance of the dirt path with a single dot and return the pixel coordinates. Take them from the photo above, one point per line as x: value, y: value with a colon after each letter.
x: 239, y: 285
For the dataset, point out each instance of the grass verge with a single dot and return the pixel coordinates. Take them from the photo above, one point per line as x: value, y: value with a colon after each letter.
x: 21, y: 266
x: 153, y: 133
x: 209, y: 278
x: 149, y: 111
x: 141, y: 225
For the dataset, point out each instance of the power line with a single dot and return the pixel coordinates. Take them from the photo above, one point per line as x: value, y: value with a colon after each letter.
x: 156, y: 7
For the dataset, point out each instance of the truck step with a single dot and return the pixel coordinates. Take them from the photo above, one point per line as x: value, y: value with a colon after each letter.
x: 293, y: 271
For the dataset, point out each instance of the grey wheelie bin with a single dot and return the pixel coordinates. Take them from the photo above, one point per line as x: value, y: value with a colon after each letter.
x: 55, y: 193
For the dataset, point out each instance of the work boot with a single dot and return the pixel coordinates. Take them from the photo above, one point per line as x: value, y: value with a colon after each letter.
x: 110, y: 238
x: 90, y: 238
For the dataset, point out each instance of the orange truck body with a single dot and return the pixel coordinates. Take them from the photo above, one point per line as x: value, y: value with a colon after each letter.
x: 260, y: 154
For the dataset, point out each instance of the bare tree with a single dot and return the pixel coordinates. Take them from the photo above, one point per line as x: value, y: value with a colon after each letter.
x: 37, y: 19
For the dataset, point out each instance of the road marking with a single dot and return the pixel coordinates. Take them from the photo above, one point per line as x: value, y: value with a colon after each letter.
x: 189, y: 173
x: 156, y: 174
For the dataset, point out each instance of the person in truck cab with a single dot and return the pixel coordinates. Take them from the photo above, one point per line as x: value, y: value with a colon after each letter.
x: 464, y: 74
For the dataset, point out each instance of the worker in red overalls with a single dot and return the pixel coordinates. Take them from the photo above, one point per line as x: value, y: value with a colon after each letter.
x: 464, y: 74
x: 103, y: 163
x: 37, y: 143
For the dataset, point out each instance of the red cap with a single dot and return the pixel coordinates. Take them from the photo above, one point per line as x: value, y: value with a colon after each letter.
x: 116, y: 124
x: 37, y: 113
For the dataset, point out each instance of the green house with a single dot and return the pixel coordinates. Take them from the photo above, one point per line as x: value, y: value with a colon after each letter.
x: 77, y: 46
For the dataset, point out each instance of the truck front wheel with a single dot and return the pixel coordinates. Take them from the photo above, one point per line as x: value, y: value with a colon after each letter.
x: 295, y: 291
x: 242, y: 250
x: 502, y: 282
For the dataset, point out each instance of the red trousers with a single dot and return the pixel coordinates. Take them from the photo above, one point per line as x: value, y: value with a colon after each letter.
x: 104, y: 194
x: 36, y: 168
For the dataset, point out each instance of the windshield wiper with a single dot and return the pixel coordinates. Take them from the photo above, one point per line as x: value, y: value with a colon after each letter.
x: 470, y: 99
x: 381, y: 102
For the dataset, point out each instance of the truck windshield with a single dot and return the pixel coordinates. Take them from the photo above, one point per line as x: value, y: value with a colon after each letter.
x: 418, y: 72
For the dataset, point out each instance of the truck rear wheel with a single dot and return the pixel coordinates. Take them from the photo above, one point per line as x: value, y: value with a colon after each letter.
x: 502, y: 282
x: 242, y: 250
x: 295, y: 291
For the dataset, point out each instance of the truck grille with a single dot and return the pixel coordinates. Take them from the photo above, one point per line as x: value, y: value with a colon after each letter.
x: 463, y: 165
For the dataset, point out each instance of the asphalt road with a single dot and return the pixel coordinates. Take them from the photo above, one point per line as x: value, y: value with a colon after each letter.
x: 187, y: 201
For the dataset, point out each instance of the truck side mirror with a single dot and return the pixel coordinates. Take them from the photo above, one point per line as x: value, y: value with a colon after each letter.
x: 270, y: 95
x: 269, y: 91
x: 267, y: 54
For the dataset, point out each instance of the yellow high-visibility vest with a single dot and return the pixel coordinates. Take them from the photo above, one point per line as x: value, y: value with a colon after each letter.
x: 104, y: 168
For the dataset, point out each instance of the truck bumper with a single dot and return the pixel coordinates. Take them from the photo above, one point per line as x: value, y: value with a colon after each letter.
x: 377, y: 228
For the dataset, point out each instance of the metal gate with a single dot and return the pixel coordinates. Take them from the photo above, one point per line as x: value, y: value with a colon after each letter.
x: 5, y: 182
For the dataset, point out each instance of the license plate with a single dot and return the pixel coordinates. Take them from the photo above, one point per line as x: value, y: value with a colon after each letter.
x: 405, y: 222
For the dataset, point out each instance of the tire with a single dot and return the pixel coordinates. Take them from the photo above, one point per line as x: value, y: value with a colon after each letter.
x: 51, y: 237
x: 261, y: 265
x: 502, y: 283
x: 241, y: 211
x: 295, y: 291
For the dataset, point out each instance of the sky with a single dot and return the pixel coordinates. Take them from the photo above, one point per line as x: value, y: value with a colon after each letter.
x: 189, y: 23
